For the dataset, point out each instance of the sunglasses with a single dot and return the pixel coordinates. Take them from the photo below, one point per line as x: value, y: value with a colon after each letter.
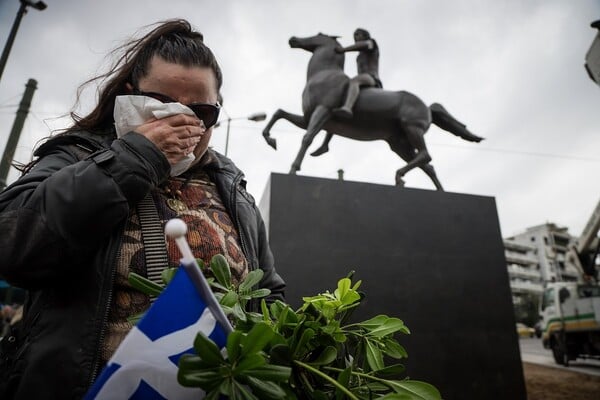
x: 208, y: 113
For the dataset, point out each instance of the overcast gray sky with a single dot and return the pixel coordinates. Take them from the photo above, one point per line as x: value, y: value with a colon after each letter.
x: 511, y: 70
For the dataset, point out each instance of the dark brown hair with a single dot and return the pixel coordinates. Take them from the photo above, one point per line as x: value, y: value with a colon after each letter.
x: 173, y: 40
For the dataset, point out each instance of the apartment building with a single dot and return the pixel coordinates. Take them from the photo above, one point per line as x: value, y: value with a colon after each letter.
x: 538, y: 256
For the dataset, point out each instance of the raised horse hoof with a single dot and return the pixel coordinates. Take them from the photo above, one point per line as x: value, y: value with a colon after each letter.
x: 319, y: 151
x: 271, y: 142
x: 342, y: 113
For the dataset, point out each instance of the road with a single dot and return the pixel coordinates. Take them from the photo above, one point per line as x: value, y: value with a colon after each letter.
x: 533, y: 351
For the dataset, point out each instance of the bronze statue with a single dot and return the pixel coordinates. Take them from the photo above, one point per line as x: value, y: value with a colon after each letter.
x: 398, y: 117
x: 367, y: 66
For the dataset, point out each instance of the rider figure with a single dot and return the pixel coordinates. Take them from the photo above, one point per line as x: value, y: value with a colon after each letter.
x: 367, y: 65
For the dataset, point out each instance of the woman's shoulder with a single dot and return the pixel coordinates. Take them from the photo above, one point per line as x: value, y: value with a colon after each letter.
x: 86, y: 141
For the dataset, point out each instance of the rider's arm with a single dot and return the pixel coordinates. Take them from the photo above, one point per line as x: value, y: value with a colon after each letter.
x: 358, y: 46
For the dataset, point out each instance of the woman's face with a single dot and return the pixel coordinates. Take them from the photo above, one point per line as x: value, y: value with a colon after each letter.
x: 186, y: 85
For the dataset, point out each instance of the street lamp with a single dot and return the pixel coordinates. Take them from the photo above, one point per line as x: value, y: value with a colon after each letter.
x: 258, y: 116
x: 40, y: 5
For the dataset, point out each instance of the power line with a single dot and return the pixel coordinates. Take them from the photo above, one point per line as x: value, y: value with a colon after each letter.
x: 470, y: 148
x: 527, y: 153
x: 462, y: 147
x: 15, y: 97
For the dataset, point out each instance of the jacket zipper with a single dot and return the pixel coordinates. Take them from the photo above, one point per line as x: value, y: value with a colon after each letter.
x: 96, y: 363
x: 253, y: 306
x: 233, y: 207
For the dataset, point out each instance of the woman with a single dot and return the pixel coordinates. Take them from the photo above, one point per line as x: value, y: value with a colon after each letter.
x: 73, y: 226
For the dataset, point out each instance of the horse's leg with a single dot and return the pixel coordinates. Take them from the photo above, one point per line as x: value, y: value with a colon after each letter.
x: 317, y: 120
x: 428, y: 169
x: 324, y: 147
x: 415, y: 136
x: 295, y: 119
x: 400, y: 146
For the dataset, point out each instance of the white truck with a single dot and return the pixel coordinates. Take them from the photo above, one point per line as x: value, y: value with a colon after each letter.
x: 571, y: 321
x: 570, y: 311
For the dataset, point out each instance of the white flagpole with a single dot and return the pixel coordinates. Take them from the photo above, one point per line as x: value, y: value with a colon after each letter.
x: 176, y: 229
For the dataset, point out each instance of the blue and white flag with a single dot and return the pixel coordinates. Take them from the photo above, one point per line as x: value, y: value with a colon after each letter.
x: 145, y: 364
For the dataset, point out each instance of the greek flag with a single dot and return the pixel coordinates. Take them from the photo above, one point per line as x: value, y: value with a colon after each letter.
x: 145, y: 364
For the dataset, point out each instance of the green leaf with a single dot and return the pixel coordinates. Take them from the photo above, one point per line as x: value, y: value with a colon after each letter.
x: 238, y: 312
x: 214, y: 395
x: 233, y: 344
x: 389, y: 327
x: 255, y: 318
x: 168, y: 274
x: 216, y: 285
x: 252, y: 279
x: 350, y: 298
x: 207, y: 379
x: 375, y: 387
x: 251, y: 361
x: 319, y: 395
x: 270, y: 372
x: 230, y: 299
x: 191, y: 362
x: 265, y: 311
x: 393, y: 349
x: 301, y: 346
x: 289, y: 316
x: 390, y: 370
x: 220, y: 269
x: 327, y: 356
x: 255, y: 294
x: 343, y: 287
x: 265, y: 389
x: 277, y: 308
x: 344, y: 380
x: 374, y: 356
x: 134, y: 319
x: 417, y: 389
x: 242, y: 393
x: 257, y: 338
x: 345, y: 294
x: 226, y: 387
x: 144, y: 285
x: 281, y: 354
x: 395, y: 396
x: 374, y: 322
x: 207, y: 349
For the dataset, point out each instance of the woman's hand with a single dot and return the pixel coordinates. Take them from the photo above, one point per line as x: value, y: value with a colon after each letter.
x: 175, y: 136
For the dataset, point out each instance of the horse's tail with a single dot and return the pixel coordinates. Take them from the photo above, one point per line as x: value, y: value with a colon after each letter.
x: 447, y: 122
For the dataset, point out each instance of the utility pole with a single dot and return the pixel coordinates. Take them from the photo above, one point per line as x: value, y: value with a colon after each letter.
x: 15, y: 133
x: 258, y: 116
x: 40, y: 5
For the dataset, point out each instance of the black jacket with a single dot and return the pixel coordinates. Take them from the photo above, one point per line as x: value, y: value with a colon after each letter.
x: 61, y: 226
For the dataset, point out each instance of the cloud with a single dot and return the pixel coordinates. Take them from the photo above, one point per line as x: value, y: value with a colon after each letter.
x: 512, y: 71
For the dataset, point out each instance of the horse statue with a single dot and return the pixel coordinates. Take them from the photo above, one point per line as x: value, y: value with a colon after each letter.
x: 398, y: 117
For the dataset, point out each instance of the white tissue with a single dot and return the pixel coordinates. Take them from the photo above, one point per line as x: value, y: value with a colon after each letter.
x: 132, y: 111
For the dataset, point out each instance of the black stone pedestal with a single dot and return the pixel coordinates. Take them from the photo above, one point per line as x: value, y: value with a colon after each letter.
x: 433, y: 259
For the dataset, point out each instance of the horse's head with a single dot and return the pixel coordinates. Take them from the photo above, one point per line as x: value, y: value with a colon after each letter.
x: 313, y: 42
